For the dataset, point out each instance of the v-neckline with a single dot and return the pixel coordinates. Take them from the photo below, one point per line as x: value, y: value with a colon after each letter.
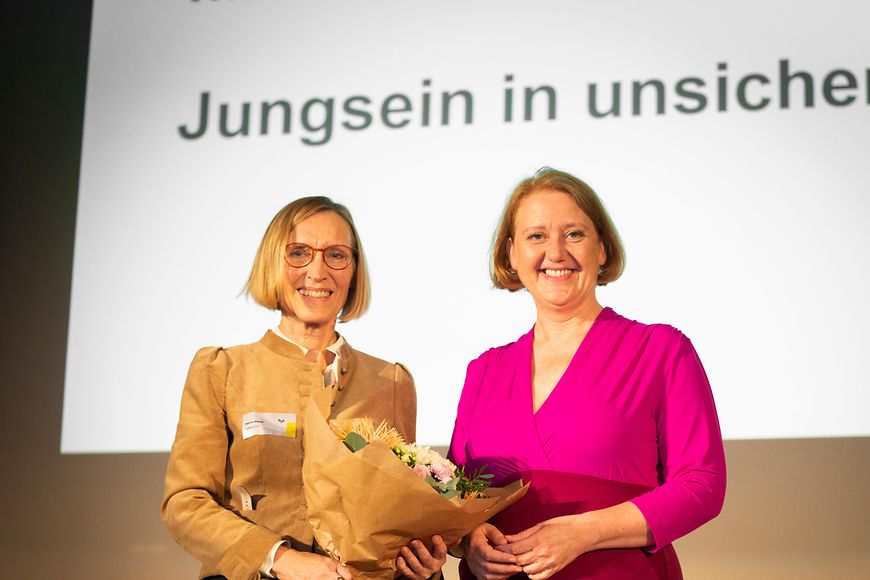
x: 530, y: 387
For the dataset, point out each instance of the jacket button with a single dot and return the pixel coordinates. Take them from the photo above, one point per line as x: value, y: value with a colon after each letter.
x: 341, y: 388
x: 332, y: 404
x: 344, y: 370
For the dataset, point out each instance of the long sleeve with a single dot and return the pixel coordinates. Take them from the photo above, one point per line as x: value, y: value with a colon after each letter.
x: 457, y: 452
x: 691, y: 456
x: 196, y: 488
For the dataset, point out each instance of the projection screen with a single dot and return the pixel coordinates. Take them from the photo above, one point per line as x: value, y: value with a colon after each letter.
x: 729, y: 142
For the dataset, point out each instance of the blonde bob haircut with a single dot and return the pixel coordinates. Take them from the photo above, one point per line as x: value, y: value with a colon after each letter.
x: 503, y: 276
x: 266, y: 283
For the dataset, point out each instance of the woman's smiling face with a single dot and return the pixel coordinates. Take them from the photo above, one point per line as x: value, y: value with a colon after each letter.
x: 556, y: 251
x: 315, y: 294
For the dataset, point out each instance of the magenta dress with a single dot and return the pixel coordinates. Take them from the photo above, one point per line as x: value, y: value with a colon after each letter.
x: 632, y: 418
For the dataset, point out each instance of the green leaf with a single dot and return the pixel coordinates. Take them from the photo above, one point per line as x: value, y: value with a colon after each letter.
x: 354, y: 441
x: 474, y: 483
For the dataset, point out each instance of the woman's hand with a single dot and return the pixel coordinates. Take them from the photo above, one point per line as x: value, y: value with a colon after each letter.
x: 485, y: 561
x: 417, y: 563
x: 546, y: 548
x: 549, y: 546
x: 292, y: 565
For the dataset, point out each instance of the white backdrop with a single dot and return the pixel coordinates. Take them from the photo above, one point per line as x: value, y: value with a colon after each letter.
x: 744, y: 228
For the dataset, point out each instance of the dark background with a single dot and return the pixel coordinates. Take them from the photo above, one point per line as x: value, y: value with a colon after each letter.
x: 795, y: 508
x: 93, y: 516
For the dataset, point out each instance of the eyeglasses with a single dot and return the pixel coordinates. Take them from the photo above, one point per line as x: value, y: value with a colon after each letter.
x: 337, y: 257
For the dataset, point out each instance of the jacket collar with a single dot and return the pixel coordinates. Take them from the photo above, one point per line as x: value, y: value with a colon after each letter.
x: 285, y: 348
x: 280, y: 346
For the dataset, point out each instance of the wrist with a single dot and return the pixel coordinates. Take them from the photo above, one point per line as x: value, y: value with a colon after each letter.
x: 458, y: 549
x: 589, y: 532
x: 282, y: 549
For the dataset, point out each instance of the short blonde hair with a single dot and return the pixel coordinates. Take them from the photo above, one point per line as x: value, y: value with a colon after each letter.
x: 266, y: 281
x: 501, y: 273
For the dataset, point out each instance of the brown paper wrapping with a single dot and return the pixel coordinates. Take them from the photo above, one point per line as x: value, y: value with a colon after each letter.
x: 365, y: 506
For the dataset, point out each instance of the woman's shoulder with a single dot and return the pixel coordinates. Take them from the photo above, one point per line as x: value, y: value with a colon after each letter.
x: 226, y: 355
x: 657, y: 341
x: 365, y: 358
x: 369, y: 363
x: 209, y: 356
x: 657, y: 332
x: 495, y: 354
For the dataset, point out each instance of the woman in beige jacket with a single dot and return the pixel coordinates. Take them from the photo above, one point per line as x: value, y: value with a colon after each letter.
x: 234, y: 496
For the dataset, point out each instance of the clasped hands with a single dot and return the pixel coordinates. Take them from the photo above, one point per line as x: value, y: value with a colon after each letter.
x: 415, y: 562
x: 539, y: 551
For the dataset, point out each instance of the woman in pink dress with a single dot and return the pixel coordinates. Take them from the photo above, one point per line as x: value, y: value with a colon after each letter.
x: 612, y: 421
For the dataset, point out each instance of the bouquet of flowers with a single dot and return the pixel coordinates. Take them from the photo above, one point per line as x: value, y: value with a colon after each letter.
x: 440, y: 473
x: 369, y: 493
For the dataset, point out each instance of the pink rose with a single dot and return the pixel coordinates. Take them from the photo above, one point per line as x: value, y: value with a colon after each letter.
x: 442, y: 472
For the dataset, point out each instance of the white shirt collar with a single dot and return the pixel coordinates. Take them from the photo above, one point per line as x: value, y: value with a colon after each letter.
x: 333, y: 348
x: 330, y: 373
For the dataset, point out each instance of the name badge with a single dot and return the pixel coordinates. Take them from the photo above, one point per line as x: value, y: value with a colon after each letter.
x: 282, y: 424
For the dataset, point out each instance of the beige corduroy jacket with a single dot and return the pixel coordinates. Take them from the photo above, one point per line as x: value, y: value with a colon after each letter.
x: 211, y: 467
